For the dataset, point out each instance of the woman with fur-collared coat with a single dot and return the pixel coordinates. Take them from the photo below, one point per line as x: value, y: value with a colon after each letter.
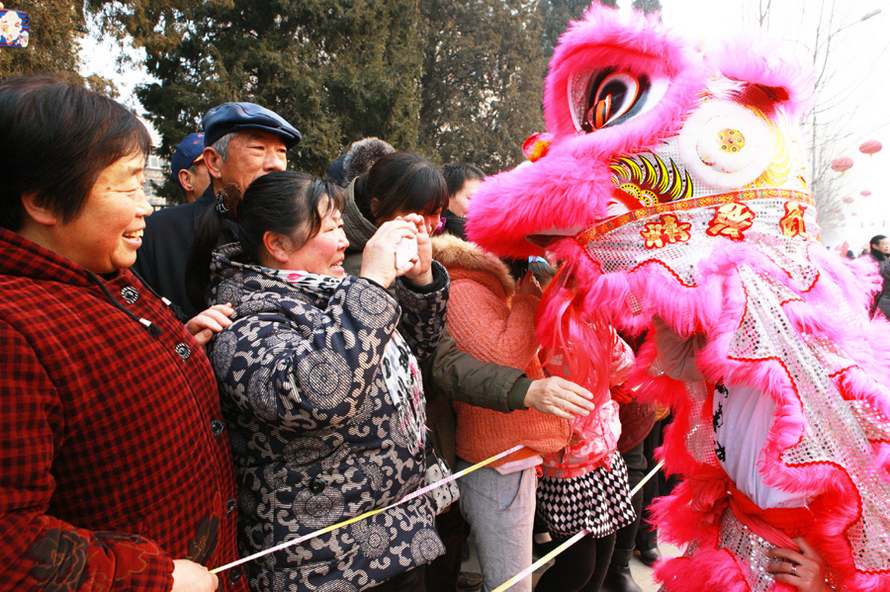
x: 320, y: 380
x: 494, y: 320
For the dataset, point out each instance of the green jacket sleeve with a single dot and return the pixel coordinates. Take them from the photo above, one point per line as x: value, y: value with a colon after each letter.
x: 459, y: 376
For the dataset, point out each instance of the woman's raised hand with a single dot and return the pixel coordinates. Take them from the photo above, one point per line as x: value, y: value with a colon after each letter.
x: 379, y: 259
x: 421, y: 273
x: 529, y: 286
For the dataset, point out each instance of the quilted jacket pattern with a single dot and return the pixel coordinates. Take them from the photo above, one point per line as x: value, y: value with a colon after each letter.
x: 317, y: 431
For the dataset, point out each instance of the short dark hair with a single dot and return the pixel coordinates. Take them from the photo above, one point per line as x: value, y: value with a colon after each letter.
x: 458, y: 173
x: 401, y: 181
x: 281, y: 202
x: 284, y: 202
x: 56, y: 138
x: 873, y: 247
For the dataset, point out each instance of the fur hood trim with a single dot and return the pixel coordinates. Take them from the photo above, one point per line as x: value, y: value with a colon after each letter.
x: 452, y: 252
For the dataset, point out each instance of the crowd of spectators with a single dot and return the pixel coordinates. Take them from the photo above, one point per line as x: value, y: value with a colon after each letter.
x: 277, y: 355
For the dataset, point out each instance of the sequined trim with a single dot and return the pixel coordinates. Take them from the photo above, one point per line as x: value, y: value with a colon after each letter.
x: 875, y: 424
x: 750, y: 551
x: 700, y: 439
x: 833, y: 434
x: 634, y: 242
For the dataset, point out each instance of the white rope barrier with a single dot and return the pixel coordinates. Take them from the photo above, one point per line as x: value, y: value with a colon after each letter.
x: 527, y: 572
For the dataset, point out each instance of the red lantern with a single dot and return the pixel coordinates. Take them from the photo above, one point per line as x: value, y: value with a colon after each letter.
x: 870, y: 147
x: 842, y: 164
x: 865, y: 193
x: 848, y: 199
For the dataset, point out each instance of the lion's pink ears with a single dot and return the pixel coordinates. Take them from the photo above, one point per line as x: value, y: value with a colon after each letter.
x: 768, y: 75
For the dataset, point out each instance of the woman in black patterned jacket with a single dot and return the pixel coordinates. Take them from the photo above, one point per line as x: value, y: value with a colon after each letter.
x: 321, y: 385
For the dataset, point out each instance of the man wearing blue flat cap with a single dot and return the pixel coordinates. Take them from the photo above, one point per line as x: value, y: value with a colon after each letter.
x: 242, y: 141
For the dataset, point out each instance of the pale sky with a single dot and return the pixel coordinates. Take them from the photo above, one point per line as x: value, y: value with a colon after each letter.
x: 858, y: 90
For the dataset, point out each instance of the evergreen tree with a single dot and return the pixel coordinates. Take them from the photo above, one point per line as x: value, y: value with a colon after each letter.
x: 647, y: 6
x: 337, y: 69
x: 482, y: 80
x: 453, y: 80
x: 56, y: 25
x: 557, y: 14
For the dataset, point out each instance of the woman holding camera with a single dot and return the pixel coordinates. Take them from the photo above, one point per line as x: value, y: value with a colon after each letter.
x: 320, y: 380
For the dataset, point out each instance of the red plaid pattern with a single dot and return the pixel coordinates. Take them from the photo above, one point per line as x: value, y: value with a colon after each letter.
x: 113, y: 456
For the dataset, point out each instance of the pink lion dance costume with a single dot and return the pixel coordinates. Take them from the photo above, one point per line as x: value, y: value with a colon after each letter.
x: 670, y: 186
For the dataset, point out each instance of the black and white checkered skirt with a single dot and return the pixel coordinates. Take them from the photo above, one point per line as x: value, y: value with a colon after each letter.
x: 598, y: 501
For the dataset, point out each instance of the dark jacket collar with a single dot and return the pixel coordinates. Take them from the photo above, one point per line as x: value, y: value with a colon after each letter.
x: 359, y: 229
x: 208, y: 197
x: 455, y: 225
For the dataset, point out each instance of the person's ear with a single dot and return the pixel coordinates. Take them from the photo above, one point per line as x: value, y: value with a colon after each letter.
x: 39, y: 213
x: 185, y: 179
x: 214, y: 162
x: 375, y: 206
x: 277, y: 246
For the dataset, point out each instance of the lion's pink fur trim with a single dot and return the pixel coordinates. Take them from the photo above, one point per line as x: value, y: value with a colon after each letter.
x: 568, y: 189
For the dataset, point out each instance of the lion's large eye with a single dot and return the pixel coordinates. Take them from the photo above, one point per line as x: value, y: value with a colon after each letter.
x: 606, y: 98
x: 615, y: 95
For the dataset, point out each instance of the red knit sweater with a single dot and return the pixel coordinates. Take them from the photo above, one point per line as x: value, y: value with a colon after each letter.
x: 490, y: 320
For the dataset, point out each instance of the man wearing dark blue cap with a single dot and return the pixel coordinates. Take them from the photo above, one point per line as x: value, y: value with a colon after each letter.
x: 187, y: 168
x: 242, y: 141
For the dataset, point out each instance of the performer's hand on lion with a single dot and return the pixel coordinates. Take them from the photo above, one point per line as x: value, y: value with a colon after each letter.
x: 805, y: 570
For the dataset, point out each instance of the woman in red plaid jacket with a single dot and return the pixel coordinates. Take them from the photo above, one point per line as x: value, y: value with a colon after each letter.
x: 115, y: 468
